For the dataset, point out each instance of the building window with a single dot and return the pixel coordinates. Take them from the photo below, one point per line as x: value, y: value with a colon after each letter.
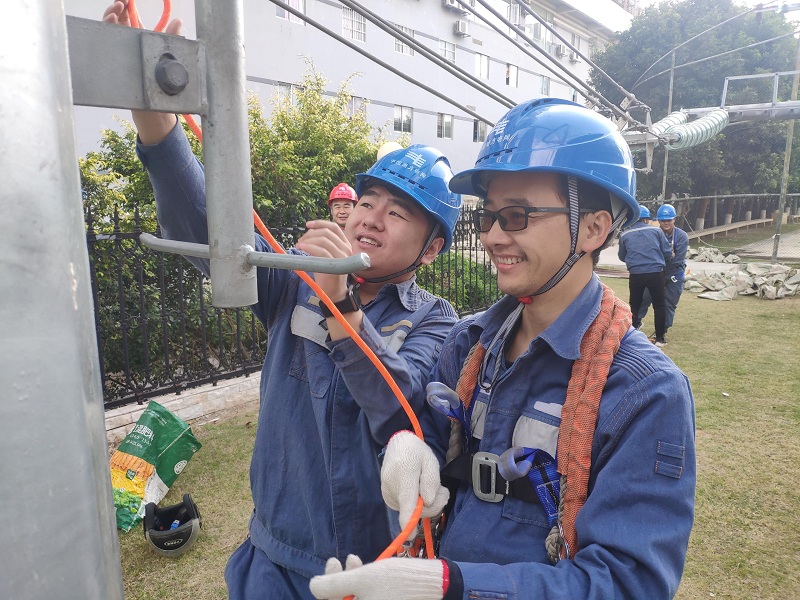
x: 545, y: 91
x: 402, y: 118
x: 576, y: 41
x: 447, y: 50
x: 285, y: 14
x: 515, y: 15
x: 288, y: 92
x: 478, y: 131
x: 356, y: 105
x: 444, y: 126
x: 512, y: 75
x: 354, y: 25
x: 540, y: 34
x: 481, y: 66
x: 399, y: 45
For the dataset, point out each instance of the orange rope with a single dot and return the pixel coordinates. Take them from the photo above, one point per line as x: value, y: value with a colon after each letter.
x: 394, y: 547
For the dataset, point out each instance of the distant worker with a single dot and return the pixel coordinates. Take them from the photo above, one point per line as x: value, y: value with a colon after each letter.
x: 341, y: 201
x: 676, y: 268
x: 646, y: 253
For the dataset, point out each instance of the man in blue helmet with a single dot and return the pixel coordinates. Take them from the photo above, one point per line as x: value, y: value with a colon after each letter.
x: 676, y: 266
x: 646, y: 253
x: 325, y: 412
x: 577, y: 447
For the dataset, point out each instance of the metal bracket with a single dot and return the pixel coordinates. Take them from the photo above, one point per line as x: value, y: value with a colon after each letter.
x: 115, y: 66
x: 291, y: 262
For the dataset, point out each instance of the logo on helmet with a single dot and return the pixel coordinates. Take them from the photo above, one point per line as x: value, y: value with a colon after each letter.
x: 416, y: 159
x: 500, y: 128
x: 176, y: 542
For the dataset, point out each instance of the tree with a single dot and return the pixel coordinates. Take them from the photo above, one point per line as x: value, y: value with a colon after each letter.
x: 309, y: 144
x: 746, y: 157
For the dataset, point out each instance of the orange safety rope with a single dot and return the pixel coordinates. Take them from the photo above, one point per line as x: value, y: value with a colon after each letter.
x: 579, y: 414
x: 396, y: 544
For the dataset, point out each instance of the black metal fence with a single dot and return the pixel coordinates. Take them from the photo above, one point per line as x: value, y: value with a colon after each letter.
x: 158, y: 333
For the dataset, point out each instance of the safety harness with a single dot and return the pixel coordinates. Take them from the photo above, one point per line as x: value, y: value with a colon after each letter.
x: 578, y: 421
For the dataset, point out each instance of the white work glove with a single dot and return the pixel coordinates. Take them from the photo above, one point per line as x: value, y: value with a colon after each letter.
x: 410, y: 470
x: 389, y: 579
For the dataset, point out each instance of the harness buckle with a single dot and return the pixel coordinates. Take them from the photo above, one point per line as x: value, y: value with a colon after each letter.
x: 484, y: 477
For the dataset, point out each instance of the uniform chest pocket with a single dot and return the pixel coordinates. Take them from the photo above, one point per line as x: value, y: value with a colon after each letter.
x: 536, y: 428
x: 310, y: 361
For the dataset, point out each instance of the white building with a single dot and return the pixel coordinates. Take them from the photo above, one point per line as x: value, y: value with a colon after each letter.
x: 279, y: 44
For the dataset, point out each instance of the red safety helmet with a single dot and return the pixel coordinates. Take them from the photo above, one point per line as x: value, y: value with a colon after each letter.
x: 343, y: 192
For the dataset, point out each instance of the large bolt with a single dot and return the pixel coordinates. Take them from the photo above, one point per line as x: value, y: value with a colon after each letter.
x: 171, y: 76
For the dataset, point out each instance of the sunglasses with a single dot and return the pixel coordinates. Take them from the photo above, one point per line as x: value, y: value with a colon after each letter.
x: 512, y: 218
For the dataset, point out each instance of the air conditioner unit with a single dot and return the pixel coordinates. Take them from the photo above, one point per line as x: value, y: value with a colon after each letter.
x: 452, y: 5
x: 561, y: 50
x: 461, y: 28
x: 573, y: 57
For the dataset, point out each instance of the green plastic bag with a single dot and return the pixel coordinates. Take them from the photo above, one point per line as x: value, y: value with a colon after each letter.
x: 148, y: 461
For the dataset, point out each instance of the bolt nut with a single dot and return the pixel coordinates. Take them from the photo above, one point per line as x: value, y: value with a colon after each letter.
x: 171, y: 76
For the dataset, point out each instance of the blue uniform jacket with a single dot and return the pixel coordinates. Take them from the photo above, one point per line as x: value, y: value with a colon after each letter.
x: 644, y: 249
x: 325, y: 411
x: 634, y: 529
x: 676, y: 267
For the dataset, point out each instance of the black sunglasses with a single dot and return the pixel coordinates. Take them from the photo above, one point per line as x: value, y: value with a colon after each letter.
x: 512, y: 218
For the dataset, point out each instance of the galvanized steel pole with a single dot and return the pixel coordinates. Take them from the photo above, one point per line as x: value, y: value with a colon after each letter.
x: 787, y: 158
x: 226, y: 153
x: 56, y: 505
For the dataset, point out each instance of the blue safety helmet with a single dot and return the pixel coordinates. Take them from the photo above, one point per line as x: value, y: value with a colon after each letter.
x: 422, y: 173
x: 666, y: 212
x: 554, y: 135
x: 644, y: 212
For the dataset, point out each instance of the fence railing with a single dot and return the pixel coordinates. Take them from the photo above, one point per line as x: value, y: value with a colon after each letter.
x: 158, y: 333
x: 696, y: 213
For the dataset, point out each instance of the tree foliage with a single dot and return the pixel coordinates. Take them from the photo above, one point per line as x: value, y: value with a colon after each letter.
x: 747, y: 157
x: 310, y: 143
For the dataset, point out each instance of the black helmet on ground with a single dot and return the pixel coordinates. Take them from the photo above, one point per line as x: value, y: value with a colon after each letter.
x: 172, y: 530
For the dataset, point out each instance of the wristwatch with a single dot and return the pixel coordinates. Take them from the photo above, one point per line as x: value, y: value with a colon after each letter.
x: 351, y: 302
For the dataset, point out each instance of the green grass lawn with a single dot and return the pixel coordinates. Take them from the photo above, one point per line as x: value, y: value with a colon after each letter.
x: 743, y: 360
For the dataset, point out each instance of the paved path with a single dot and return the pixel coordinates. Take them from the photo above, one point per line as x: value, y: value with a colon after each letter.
x: 788, y: 250
x: 609, y: 260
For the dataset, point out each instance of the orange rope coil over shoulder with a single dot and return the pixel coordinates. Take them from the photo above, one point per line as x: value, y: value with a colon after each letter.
x: 397, y: 543
x: 579, y: 414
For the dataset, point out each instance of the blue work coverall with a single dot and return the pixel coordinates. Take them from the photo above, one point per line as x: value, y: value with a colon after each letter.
x: 633, y: 530
x: 325, y: 411
x: 646, y: 252
x: 675, y: 274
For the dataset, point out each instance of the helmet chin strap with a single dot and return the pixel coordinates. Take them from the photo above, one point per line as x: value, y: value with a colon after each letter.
x: 412, y: 267
x: 573, y: 258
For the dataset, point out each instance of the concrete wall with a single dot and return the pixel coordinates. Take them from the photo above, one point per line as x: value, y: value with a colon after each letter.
x: 197, y: 405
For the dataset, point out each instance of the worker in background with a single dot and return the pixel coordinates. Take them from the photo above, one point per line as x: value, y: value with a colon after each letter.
x: 325, y: 411
x: 676, y: 267
x: 646, y: 252
x: 553, y: 400
x: 341, y: 201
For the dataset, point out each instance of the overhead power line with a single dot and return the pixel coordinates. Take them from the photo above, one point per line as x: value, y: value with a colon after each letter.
x: 574, y: 80
x: 437, y: 59
x: 376, y: 60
